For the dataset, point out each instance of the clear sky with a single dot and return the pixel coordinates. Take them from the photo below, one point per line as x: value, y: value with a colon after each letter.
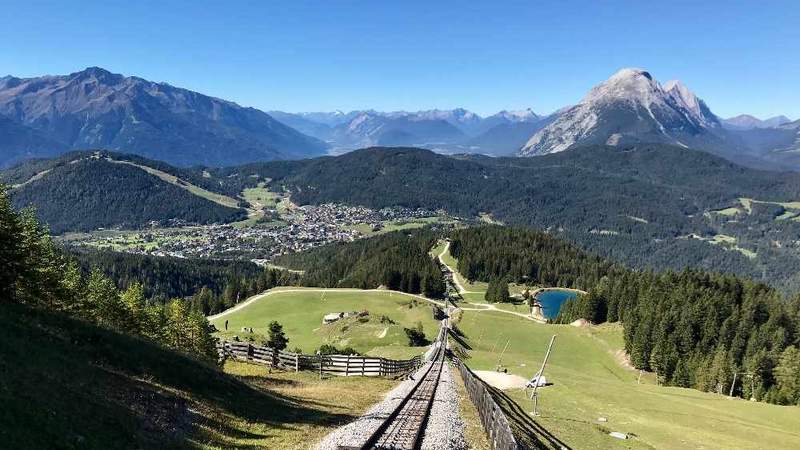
x: 740, y: 56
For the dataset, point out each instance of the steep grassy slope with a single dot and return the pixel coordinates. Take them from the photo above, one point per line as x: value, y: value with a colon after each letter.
x: 591, y: 381
x: 65, y: 384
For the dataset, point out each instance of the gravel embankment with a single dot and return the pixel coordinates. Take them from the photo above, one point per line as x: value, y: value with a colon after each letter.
x: 445, y: 427
x: 359, y: 430
x: 445, y: 430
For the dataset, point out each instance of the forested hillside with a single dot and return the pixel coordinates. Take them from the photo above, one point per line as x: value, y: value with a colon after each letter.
x: 86, y: 365
x: 525, y: 256
x: 650, y: 206
x: 397, y: 260
x: 696, y: 329
x: 213, y: 285
x: 85, y: 192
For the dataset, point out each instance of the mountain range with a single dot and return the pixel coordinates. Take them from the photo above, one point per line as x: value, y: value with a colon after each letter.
x: 95, y: 108
x: 632, y: 107
x: 453, y: 131
x: 748, y: 122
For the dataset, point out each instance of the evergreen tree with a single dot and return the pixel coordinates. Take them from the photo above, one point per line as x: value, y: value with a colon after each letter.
x: 787, y: 375
x: 133, y: 300
x: 103, y: 303
x: 497, y: 292
x: 277, y: 339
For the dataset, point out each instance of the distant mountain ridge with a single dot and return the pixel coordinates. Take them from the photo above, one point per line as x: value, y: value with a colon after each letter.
x: 748, y: 122
x: 95, y: 108
x: 451, y: 130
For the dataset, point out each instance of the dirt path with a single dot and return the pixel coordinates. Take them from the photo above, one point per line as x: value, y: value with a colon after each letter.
x: 459, y: 286
x: 476, y: 306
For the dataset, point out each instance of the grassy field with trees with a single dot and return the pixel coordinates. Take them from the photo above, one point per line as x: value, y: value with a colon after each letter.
x: 300, y: 312
x: 591, y: 379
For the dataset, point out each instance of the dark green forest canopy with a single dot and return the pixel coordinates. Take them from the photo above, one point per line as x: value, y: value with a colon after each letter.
x: 212, y: 285
x: 526, y: 256
x: 165, y: 276
x: 398, y: 260
x: 636, y: 205
x: 86, y: 194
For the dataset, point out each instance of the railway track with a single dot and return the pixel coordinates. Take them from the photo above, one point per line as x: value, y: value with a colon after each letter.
x: 403, y: 428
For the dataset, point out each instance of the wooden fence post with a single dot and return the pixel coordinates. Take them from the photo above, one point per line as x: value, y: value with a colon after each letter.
x: 297, y: 362
x: 347, y: 367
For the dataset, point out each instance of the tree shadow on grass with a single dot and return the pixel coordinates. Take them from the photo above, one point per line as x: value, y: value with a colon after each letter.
x: 527, y: 431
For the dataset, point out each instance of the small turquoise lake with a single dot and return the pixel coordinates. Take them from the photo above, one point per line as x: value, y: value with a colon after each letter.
x: 551, y: 301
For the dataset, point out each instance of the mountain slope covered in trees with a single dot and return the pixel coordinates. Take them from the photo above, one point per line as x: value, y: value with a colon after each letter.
x: 650, y: 206
x: 397, y: 261
x: 85, y: 191
x: 213, y: 285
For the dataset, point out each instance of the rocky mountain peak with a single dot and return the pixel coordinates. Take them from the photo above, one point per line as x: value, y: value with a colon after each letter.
x: 629, y: 107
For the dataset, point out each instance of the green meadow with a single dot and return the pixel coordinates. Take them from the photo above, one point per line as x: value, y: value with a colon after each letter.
x: 300, y: 311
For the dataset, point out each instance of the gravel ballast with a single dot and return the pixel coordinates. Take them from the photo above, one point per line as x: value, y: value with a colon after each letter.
x: 359, y: 430
x: 445, y: 428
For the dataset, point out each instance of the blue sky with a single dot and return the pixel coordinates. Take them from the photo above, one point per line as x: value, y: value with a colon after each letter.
x: 741, y: 57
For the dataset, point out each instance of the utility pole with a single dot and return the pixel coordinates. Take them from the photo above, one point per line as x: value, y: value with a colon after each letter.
x: 746, y: 374
x: 499, y: 360
x: 538, y: 377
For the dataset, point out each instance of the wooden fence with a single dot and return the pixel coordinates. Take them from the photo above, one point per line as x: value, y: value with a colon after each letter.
x: 345, y: 365
x: 494, y: 421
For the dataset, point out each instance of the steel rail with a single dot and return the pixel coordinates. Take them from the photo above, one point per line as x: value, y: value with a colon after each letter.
x: 403, y: 428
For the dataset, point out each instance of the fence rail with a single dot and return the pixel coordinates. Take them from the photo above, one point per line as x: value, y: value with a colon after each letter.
x: 345, y: 365
x: 494, y: 421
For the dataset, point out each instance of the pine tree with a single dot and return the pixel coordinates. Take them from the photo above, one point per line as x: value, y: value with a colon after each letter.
x: 133, y: 299
x: 103, y: 304
x: 497, y: 292
x: 177, y: 333
x: 277, y: 339
x: 787, y: 375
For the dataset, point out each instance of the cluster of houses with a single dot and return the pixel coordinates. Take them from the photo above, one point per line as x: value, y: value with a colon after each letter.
x: 299, y: 229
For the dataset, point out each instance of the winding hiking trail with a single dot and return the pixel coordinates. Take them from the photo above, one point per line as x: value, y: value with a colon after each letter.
x: 476, y: 306
x: 459, y: 286
x: 479, y: 307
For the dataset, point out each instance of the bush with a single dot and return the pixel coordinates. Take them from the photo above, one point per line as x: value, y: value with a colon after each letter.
x: 327, y: 349
x: 416, y: 336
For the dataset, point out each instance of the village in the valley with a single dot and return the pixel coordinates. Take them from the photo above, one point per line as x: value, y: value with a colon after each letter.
x: 292, y: 230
